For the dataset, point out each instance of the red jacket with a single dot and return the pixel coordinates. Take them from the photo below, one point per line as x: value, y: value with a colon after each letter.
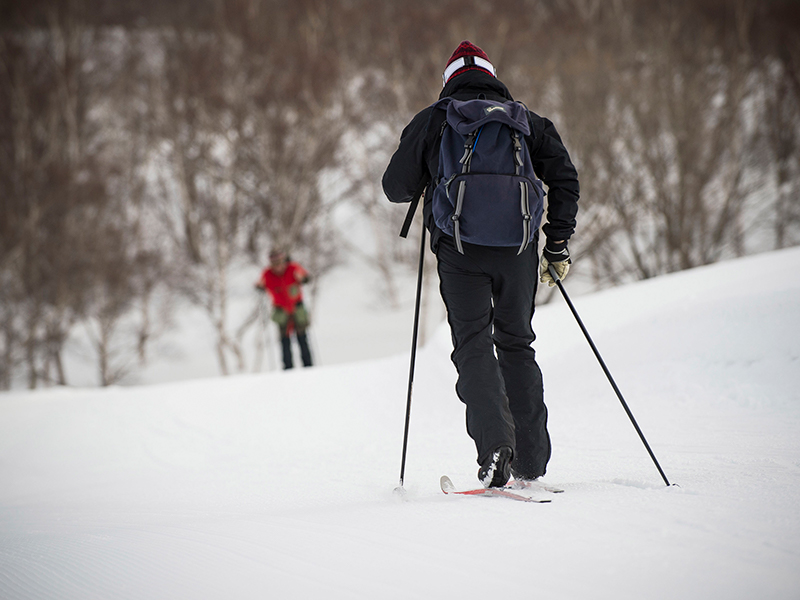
x: 285, y: 288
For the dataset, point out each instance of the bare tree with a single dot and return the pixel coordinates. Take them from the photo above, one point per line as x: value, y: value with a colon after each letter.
x: 68, y: 255
x: 781, y: 132
x: 50, y: 175
x: 197, y: 157
x: 666, y: 163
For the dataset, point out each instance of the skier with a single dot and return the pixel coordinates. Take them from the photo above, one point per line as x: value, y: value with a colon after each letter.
x: 488, y: 290
x: 283, y: 279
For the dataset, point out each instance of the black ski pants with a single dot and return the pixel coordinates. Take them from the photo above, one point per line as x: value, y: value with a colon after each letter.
x: 297, y: 323
x: 489, y: 295
x: 286, y: 349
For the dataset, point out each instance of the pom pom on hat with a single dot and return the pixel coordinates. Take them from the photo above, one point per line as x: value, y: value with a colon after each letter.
x: 467, y: 57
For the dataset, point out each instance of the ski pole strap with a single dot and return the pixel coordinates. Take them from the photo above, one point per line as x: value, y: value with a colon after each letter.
x: 412, y: 208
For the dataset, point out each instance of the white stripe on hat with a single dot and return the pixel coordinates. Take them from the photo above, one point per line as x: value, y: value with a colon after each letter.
x: 461, y: 62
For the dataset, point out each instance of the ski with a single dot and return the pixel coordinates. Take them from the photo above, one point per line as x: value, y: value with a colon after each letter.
x: 504, y: 492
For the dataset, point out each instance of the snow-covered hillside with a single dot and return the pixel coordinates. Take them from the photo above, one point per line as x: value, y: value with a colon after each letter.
x: 279, y: 485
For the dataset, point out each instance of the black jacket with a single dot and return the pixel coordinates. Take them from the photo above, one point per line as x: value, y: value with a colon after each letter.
x: 416, y: 159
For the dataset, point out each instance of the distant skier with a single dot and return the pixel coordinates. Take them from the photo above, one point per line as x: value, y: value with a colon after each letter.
x: 283, y: 279
x: 489, y: 285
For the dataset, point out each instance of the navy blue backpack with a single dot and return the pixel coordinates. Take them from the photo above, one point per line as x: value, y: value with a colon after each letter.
x: 486, y: 192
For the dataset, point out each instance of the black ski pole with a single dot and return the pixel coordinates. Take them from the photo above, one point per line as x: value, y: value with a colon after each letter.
x: 413, y: 356
x: 606, y: 371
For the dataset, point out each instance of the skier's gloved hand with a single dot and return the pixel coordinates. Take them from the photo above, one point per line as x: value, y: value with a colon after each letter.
x: 556, y: 254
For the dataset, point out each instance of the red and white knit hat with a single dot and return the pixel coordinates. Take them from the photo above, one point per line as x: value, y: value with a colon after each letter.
x: 467, y: 57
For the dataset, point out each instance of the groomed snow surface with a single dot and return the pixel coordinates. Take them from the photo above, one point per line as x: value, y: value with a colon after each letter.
x: 280, y: 485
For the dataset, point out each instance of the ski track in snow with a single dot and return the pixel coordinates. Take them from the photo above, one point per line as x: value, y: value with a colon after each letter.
x: 280, y: 484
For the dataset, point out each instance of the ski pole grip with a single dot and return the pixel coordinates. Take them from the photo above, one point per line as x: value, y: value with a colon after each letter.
x: 553, y: 273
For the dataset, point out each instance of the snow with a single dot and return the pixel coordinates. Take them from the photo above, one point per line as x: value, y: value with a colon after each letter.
x: 280, y: 485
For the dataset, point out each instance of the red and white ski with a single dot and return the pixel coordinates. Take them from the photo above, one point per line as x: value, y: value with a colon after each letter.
x: 504, y: 492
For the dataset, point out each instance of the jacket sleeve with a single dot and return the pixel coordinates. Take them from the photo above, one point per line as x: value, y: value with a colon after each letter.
x: 299, y: 273
x: 407, y: 168
x: 553, y: 166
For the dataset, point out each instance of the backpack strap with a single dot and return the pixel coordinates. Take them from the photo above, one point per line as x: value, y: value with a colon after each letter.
x: 469, y: 149
x: 524, y: 202
x: 525, y: 207
x: 466, y: 162
x: 457, y: 214
x: 517, y: 151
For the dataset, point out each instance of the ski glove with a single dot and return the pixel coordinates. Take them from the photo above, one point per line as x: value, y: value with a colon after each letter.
x: 555, y: 254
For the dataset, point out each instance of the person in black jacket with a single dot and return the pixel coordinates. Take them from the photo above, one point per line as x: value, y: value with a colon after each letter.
x: 489, y: 291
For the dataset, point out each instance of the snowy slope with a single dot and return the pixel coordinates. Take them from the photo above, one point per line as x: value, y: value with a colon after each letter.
x: 280, y: 485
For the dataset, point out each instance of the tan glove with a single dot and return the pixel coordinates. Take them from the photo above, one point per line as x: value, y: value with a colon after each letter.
x: 557, y: 255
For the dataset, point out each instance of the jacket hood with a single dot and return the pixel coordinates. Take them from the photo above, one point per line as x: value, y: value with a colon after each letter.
x: 470, y: 84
